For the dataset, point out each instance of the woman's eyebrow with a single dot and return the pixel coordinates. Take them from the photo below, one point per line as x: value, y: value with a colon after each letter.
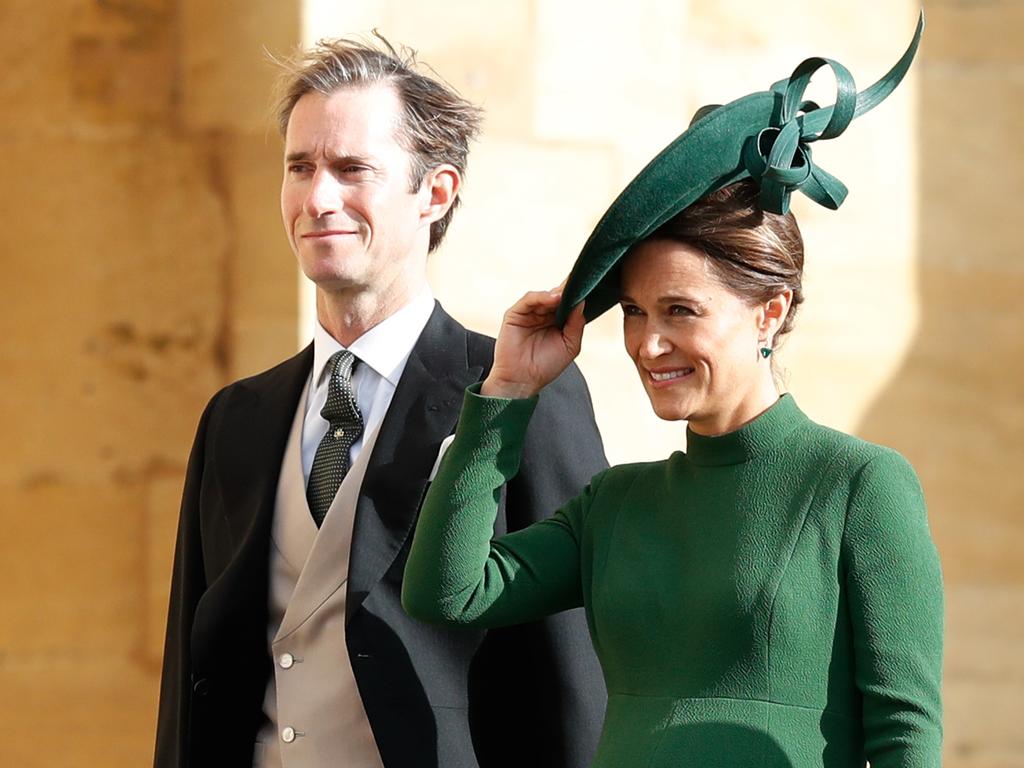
x: 666, y: 300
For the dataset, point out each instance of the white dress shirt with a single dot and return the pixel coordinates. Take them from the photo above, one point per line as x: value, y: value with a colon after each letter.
x: 382, y: 353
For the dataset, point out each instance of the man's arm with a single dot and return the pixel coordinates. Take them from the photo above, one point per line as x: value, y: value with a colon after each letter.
x: 188, y: 581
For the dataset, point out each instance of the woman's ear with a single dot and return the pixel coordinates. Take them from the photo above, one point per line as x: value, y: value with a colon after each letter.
x: 772, y: 314
x: 439, y: 189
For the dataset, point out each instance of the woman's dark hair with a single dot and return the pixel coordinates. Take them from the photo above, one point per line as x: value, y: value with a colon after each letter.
x: 755, y: 254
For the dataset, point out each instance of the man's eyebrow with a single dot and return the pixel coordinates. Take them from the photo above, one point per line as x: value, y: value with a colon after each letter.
x: 298, y: 156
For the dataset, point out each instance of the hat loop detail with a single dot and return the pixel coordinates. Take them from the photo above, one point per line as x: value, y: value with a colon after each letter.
x: 779, y: 158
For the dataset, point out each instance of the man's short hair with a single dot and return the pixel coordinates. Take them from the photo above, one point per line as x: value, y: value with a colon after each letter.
x: 437, y: 123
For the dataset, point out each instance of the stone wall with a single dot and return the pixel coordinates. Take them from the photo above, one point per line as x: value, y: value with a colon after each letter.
x: 145, y: 266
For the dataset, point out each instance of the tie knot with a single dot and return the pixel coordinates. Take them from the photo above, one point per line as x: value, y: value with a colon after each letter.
x: 341, y: 365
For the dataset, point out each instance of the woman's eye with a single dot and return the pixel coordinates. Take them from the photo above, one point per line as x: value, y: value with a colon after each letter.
x: 680, y: 310
x: 630, y: 310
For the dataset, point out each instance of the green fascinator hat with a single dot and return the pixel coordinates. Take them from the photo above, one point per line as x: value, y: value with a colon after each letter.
x: 765, y: 136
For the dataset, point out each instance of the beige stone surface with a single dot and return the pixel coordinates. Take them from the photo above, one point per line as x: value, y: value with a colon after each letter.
x: 113, y: 307
x: 967, y: 34
x: 94, y: 66
x: 226, y: 72
x: 141, y: 256
x: 124, y: 295
x: 984, y: 686
x: 70, y: 562
x: 612, y: 74
x: 38, y: 97
x: 73, y: 710
x: 329, y: 18
x: 123, y: 61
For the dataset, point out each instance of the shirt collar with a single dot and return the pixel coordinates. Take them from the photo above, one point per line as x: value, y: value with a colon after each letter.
x: 386, y: 347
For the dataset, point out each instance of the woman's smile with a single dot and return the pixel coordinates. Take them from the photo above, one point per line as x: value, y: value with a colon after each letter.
x: 665, y: 377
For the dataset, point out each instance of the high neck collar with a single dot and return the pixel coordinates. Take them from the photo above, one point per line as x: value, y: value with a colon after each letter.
x: 758, y: 436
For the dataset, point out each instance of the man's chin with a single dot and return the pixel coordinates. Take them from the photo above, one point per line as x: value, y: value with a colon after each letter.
x: 327, y: 273
x: 333, y: 283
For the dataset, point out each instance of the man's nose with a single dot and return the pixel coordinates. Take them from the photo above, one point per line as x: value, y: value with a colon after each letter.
x: 323, y: 196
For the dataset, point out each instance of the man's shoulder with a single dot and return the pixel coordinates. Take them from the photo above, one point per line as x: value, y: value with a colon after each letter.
x: 299, y: 363
x: 444, y: 329
x: 281, y: 377
x: 479, y: 348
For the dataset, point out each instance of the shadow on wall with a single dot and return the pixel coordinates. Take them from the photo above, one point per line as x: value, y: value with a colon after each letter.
x: 956, y: 406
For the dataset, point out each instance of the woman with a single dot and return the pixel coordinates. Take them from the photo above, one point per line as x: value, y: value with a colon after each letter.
x: 770, y: 597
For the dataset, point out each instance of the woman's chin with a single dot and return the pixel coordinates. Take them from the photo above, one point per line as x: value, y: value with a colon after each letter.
x: 669, y: 411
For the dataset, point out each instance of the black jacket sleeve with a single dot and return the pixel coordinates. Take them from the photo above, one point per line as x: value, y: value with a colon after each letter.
x: 188, y: 582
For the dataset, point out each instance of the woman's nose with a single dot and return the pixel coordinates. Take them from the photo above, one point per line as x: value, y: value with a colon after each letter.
x: 653, y: 344
x: 322, y: 197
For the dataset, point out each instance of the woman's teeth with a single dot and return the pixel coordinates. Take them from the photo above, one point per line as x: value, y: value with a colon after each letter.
x: 670, y: 374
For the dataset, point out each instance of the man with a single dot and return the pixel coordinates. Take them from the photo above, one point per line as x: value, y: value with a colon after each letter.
x: 286, y: 642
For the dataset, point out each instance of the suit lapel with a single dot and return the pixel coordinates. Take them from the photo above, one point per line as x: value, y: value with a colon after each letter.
x: 422, y: 413
x: 249, y: 449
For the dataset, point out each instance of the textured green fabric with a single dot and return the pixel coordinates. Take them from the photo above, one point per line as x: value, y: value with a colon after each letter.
x: 769, y: 598
x: 765, y: 136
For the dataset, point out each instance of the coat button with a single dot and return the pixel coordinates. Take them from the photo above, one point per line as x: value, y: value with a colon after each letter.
x: 287, y: 734
x: 201, y: 687
x: 286, y: 661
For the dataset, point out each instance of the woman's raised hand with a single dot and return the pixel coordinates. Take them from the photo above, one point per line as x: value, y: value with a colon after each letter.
x: 532, y: 351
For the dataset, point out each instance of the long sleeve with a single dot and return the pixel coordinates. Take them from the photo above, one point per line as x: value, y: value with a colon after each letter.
x: 187, y: 582
x: 456, y: 574
x: 894, y: 585
x: 543, y: 677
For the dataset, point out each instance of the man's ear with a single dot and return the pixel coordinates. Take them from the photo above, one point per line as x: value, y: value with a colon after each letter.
x: 439, y: 189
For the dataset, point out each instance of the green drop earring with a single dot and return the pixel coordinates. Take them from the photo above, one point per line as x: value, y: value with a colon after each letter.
x: 765, y: 349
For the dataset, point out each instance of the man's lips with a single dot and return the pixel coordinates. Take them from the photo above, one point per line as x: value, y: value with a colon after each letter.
x: 666, y: 377
x: 327, y: 233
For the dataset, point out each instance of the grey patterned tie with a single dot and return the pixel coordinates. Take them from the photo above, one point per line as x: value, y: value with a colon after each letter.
x: 331, y: 462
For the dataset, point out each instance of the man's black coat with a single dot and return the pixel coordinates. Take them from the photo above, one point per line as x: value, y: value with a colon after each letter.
x: 526, y: 696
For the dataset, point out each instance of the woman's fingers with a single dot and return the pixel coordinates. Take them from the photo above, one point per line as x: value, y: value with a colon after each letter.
x: 533, y: 306
x: 573, y: 329
x: 534, y: 299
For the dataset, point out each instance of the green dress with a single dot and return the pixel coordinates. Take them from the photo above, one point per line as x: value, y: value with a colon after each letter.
x: 771, y: 598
